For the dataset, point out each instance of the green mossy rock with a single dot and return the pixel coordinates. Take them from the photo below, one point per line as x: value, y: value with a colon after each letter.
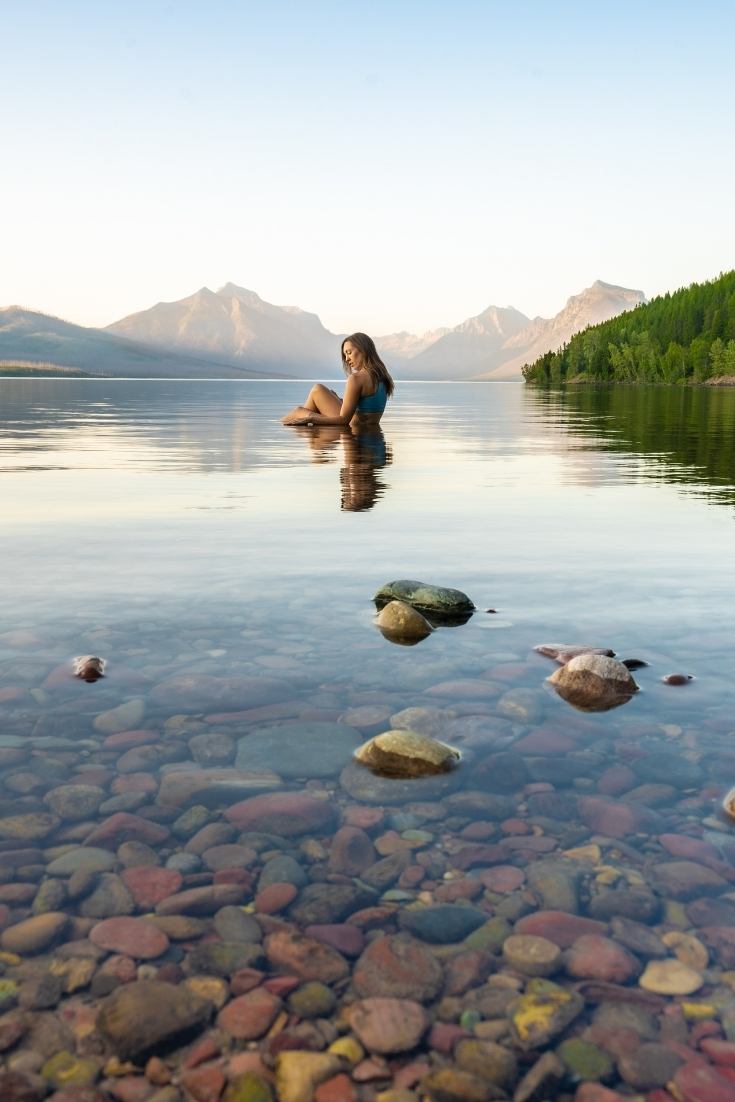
x: 436, y: 602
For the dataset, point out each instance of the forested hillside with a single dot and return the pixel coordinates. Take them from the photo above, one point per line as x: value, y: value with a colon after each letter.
x: 687, y: 336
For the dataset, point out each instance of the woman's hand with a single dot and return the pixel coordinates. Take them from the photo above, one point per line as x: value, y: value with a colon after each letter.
x: 299, y: 415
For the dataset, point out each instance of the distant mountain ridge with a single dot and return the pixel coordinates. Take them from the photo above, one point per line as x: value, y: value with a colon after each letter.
x: 595, y: 304
x: 234, y: 324
x: 29, y: 336
x: 233, y: 333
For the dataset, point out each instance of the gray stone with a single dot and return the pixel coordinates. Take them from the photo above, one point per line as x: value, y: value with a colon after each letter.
x: 108, y: 899
x: 555, y: 882
x: 282, y: 870
x: 443, y: 924
x: 83, y: 858
x: 298, y: 749
x: 235, y: 924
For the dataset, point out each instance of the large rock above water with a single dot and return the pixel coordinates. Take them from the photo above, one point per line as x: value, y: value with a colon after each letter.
x: 298, y: 749
x: 593, y: 683
x: 438, y: 604
x: 564, y: 652
x: 401, y: 623
x: 404, y: 753
x: 144, y: 1017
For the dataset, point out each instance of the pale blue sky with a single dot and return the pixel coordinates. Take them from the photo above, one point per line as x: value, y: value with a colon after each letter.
x: 402, y: 165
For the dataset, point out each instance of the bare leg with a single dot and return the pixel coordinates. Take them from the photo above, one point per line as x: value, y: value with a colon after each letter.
x: 323, y: 400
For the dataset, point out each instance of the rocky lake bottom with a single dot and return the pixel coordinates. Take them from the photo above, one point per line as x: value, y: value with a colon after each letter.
x: 204, y: 897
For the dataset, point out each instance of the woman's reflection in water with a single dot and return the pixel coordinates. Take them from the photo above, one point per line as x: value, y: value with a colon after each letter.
x: 364, y: 452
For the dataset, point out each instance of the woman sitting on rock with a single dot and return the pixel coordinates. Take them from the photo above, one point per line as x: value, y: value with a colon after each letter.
x: 369, y: 386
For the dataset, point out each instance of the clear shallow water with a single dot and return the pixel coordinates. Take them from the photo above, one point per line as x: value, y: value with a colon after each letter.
x: 180, y: 532
x: 166, y: 507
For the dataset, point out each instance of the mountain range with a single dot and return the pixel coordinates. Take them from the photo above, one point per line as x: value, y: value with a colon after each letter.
x: 233, y: 333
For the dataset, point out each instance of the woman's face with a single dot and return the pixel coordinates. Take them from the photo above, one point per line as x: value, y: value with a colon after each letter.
x: 353, y: 357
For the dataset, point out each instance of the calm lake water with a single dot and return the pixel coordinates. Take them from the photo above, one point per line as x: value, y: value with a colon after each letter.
x: 149, y: 514
x: 224, y: 567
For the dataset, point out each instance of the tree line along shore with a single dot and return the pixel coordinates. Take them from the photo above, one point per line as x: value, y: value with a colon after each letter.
x: 687, y: 336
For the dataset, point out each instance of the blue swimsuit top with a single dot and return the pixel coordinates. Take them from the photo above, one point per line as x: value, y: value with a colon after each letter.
x: 374, y: 403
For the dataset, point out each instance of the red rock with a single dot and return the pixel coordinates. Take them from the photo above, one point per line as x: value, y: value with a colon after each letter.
x: 124, y: 827
x: 515, y: 826
x: 686, y: 879
x: 169, y: 972
x: 706, y: 1028
x: 618, y: 1042
x: 243, y: 1062
x: 466, y: 970
x: 613, y: 817
x: 470, y: 856
x: 502, y: 879
x: 479, y: 831
x: 386, y: 1025
x: 561, y: 928
x: 337, y: 1089
x: 595, y: 1092
x: 721, y: 939
x: 245, y: 979
x: 445, y: 1035
x: 234, y: 876
x: 17, y: 895
x: 204, y: 1084
x: 201, y: 901
x: 124, y: 740
x: 282, y: 985
x: 592, y: 957
x: 149, y: 884
x: 681, y: 845
x: 453, y: 890
x: 410, y: 1075
x: 351, y: 851
x: 719, y: 1051
x: 275, y: 897
x: 368, y: 1070
x: 133, y: 937
x: 371, y: 918
x: 122, y: 968
x: 411, y: 877
x: 286, y: 813
x: 544, y: 741
x: 134, y: 782
x: 398, y: 967
x: 616, y: 780
x: 11, y: 692
x: 346, y: 939
x: 131, y: 1088
x: 249, y: 1016
x: 702, y: 1084
x: 305, y: 957
x: 364, y: 817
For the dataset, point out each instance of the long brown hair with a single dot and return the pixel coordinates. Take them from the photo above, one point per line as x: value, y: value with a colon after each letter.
x: 373, y: 363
